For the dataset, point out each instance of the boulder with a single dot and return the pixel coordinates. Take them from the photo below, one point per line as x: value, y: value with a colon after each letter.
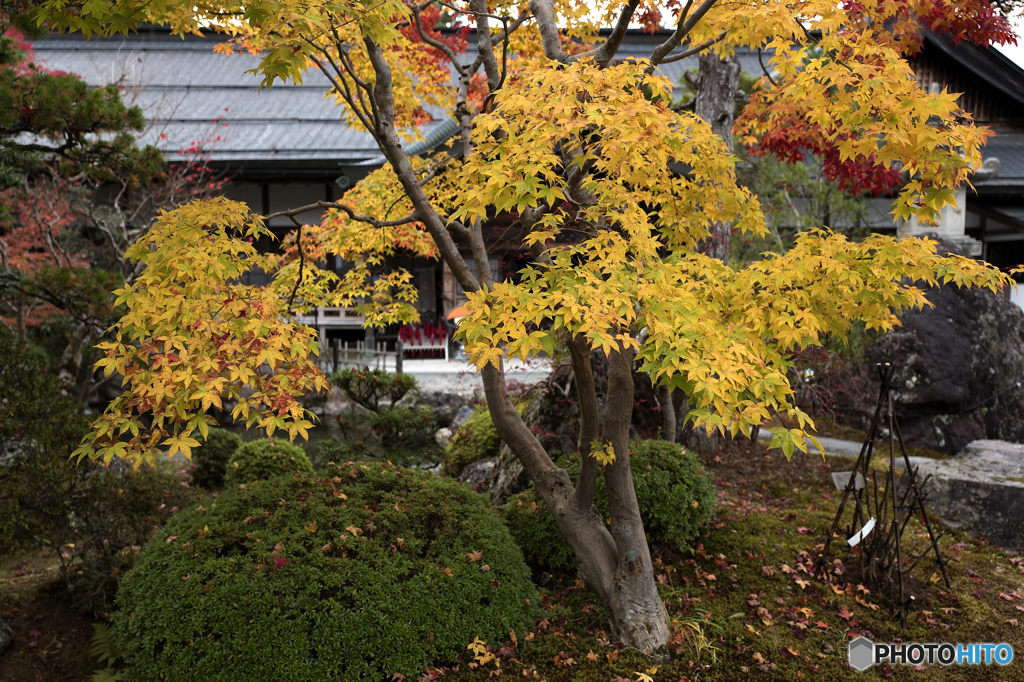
x: 442, y: 436
x: 981, y: 490
x: 478, y: 474
x: 958, y: 365
x: 461, y: 417
x: 445, y: 405
x: 508, y: 477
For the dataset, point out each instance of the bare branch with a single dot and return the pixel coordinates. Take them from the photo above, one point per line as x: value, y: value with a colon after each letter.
x: 604, y: 54
x: 436, y: 44
x: 761, y: 62
x: 302, y: 261
x: 686, y: 24
x: 348, y: 210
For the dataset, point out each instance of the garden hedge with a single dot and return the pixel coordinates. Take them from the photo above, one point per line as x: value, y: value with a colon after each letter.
x: 265, y: 458
x: 357, y: 573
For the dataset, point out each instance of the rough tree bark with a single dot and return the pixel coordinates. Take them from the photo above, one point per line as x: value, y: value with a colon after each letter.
x: 717, y: 85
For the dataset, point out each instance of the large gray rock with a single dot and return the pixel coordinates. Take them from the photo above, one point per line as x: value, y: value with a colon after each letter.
x: 981, y: 490
x: 957, y: 365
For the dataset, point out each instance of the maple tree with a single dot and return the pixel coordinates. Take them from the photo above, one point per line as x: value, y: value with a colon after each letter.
x: 612, y: 192
x: 779, y: 125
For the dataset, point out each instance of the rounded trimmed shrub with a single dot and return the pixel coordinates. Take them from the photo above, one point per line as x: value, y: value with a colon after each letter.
x: 265, y: 458
x: 210, y: 461
x: 675, y: 495
x: 357, y: 573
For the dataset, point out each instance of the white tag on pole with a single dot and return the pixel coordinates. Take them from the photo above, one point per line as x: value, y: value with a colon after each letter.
x: 862, y: 533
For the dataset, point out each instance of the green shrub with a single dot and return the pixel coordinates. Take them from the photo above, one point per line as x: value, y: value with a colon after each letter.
x: 39, y: 428
x: 210, y: 461
x: 404, y: 435
x: 265, y: 458
x: 368, y: 387
x: 675, y: 495
x: 357, y: 573
x: 91, y: 517
x: 476, y: 439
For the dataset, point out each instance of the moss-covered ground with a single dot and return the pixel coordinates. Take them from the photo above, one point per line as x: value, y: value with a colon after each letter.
x: 745, y: 604
x: 742, y: 606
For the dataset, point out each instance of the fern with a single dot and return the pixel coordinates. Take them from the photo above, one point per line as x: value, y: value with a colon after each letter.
x: 104, y: 651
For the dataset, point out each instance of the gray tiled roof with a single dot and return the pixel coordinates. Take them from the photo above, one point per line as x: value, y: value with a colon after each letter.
x: 190, y: 93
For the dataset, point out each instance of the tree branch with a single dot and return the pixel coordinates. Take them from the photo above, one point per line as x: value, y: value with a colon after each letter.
x: 484, y: 46
x: 436, y: 44
x: 693, y: 50
x: 544, y: 10
x: 411, y: 218
x: 686, y: 24
x: 387, y: 139
x: 604, y: 54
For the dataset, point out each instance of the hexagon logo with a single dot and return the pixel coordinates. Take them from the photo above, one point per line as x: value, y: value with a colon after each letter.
x: 862, y: 653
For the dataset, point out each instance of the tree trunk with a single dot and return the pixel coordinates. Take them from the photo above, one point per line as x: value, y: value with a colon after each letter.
x: 669, y: 430
x: 615, y: 563
x: 71, y: 358
x: 717, y: 86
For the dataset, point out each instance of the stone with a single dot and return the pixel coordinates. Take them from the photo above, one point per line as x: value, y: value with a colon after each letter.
x: 981, y: 491
x: 442, y: 436
x: 478, y: 474
x: 508, y: 478
x: 6, y: 636
x: 445, y: 405
x: 958, y: 367
x: 461, y: 417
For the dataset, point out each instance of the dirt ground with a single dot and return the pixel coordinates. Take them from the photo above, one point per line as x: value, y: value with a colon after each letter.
x: 51, y: 642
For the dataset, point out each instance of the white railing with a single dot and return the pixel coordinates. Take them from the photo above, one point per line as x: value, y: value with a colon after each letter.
x: 328, y: 317
x: 356, y: 354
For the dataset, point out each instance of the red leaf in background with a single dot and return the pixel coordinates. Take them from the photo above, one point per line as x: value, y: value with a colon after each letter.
x: 279, y: 562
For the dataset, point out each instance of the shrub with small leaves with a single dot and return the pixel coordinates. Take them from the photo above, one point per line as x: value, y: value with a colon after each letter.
x: 675, y: 495
x: 403, y: 434
x: 357, y: 573
x: 265, y: 458
x: 210, y: 460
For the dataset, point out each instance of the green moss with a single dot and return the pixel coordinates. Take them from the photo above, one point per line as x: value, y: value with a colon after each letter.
x: 263, y: 459
x: 364, y: 571
x: 476, y: 439
x: 675, y: 495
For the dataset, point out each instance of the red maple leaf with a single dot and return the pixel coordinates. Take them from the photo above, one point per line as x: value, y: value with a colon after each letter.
x: 279, y: 562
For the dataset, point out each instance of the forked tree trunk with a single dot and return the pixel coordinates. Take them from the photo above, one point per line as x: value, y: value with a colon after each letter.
x: 614, y: 563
